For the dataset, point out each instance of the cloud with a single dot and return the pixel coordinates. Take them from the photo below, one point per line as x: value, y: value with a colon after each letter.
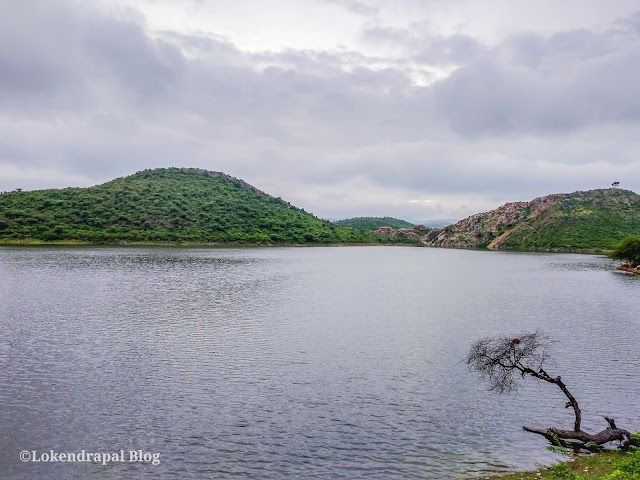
x: 354, y: 6
x: 60, y: 57
x: 424, y: 47
x: 530, y: 84
x: 86, y: 96
x: 15, y: 176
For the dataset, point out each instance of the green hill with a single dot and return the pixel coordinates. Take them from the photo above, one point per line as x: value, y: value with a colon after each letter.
x: 595, y: 219
x: 168, y: 204
x: 369, y: 224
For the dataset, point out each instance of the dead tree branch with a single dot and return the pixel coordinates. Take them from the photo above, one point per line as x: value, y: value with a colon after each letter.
x: 501, y: 360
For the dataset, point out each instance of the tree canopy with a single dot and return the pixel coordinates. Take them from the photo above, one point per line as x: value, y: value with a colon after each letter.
x: 369, y: 224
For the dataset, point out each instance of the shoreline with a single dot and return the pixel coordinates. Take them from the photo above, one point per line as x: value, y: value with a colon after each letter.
x: 201, y: 244
x: 607, y: 465
x: 187, y: 244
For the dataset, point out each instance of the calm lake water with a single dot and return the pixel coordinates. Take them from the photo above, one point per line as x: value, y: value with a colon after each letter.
x: 300, y: 362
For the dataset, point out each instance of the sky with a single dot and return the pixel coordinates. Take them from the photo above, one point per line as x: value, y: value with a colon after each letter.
x: 416, y: 109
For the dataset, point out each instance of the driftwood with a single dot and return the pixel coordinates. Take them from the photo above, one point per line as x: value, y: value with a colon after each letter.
x: 499, y: 358
x: 586, y: 441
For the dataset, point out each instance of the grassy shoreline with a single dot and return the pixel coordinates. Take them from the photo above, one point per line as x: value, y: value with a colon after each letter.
x: 609, y: 465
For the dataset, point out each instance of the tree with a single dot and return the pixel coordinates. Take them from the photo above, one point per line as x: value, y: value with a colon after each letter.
x: 628, y: 249
x: 505, y: 360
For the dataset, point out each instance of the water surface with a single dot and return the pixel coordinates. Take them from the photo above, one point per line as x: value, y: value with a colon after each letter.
x: 300, y: 362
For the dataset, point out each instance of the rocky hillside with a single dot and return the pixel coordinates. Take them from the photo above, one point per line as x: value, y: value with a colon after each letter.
x: 595, y: 219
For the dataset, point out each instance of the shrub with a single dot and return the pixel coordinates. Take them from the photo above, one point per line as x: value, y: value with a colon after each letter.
x: 628, y: 249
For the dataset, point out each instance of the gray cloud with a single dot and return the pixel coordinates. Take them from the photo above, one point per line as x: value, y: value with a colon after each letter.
x: 630, y: 24
x: 500, y: 99
x: 61, y: 59
x: 424, y: 47
x: 354, y: 6
x: 91, y: 96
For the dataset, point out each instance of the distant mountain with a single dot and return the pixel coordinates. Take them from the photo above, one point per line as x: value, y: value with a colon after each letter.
x: 439, y: 223
x: 166, y: 204
x: 369, y: 224
x: 595, y: 219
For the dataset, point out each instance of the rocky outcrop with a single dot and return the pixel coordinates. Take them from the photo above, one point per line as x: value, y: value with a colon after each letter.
x: 629, y: 269
x: 385, y: 232
x: 492, y: 228
x: 413, y: 233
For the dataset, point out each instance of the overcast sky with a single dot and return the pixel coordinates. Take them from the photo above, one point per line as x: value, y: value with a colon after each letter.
x: 418, y: 109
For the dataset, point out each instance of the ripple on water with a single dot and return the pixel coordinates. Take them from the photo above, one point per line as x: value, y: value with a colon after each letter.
x: 299, y: 363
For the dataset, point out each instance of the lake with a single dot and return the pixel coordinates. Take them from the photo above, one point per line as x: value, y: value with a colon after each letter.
x: 336, y: 362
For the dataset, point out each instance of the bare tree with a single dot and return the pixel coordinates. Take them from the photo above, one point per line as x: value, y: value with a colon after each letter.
x: 501, y: 360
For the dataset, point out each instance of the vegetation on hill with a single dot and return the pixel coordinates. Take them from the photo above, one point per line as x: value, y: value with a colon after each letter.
x: 593, y: 219
x: 596, y: 219
x: 369, y: 224
x: 169, y: 204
